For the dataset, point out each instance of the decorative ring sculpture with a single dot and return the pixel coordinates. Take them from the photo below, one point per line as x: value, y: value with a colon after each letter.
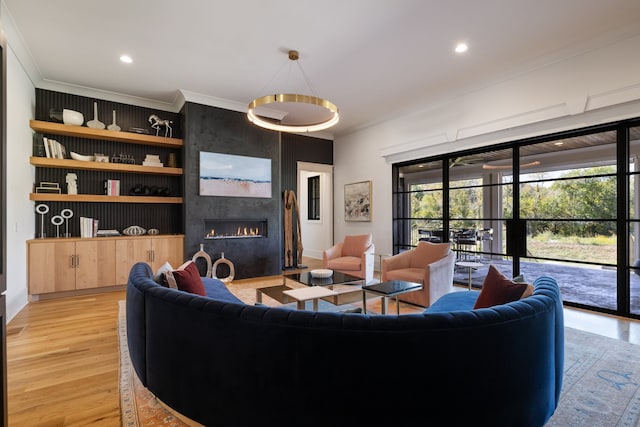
x: 202, y: 254
x: 232, y: 270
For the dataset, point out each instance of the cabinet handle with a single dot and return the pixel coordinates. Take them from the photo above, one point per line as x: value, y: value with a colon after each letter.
x: 153, y: 255
x: 77, y: 261
x: 73, y: 261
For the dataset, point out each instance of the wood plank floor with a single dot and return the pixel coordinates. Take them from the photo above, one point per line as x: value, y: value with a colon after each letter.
x: 63, y: 361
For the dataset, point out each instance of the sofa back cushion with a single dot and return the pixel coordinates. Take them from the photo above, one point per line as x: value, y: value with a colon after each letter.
x: 356, y: 245
x: 426, y: 253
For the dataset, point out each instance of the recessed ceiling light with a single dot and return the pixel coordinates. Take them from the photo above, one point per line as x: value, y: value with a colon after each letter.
x: 461, y: 47
x: 126, y: 59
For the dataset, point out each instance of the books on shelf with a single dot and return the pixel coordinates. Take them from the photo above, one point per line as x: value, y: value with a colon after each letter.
x: 88, y: 227
x: 152, y: 160
x: 107, y: 233
x: 53, y: 149
x: 112, y: 187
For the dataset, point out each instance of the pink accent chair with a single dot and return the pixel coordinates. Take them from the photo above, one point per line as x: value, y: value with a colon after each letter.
x: 428, y: 263
x: 354, y: 256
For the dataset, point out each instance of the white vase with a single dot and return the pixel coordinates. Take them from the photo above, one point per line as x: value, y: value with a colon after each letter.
x: 70, y: 117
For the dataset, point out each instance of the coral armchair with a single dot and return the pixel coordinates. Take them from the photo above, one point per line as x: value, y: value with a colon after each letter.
x: 428, y: 263
x: 354, y: 256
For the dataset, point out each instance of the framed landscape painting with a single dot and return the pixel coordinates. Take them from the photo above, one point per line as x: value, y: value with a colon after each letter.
x: 234, y: 176
x: 357, y: 201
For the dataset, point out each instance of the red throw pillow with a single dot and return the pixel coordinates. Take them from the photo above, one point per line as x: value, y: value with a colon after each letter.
x: 498, y: 289
x: 188, y: 279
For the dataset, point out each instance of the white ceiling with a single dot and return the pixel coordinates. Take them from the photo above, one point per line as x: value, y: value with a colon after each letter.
x: 375, y: 59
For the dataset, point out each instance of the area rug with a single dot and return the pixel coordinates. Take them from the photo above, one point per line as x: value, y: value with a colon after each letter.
x: 601, y: 385
x: 138, y: 406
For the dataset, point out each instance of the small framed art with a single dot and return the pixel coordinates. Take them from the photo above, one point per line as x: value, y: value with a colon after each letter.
x: 357, y: 201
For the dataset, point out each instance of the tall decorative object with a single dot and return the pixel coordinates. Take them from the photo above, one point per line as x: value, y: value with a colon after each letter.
x: 223, y: 260
x: 202, y: 254
x: 95, y: 123
x: 66, y: 214
x: 42, y: 209
x: 57, y: 220
x: 292, y: 260
x: 113, y: 126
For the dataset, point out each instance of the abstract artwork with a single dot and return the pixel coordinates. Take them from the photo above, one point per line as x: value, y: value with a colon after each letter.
x: 234, y: 176
x: 357, y: 201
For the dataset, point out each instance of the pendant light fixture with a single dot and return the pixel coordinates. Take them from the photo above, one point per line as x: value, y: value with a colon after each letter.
x: 299, y: 113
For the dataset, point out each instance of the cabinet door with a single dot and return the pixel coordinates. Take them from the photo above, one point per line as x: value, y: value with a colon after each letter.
x: 167, y: 249
x: 128, y: 252
x: 95, y: 264
x: 51, y: 267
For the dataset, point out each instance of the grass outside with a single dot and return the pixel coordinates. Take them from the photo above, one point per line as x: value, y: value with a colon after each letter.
x: 600, y: 249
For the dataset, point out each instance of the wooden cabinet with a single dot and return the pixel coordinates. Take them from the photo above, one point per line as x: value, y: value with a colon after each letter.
x: 74, y: 263
x: 70, y: 264
x: 57, y: 265
x: 154, y: 250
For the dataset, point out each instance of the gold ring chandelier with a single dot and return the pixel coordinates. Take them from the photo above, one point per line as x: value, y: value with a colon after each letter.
x: 300, y: 113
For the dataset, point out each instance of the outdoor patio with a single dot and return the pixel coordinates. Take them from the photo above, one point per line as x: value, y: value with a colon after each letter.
x: 583, y: 285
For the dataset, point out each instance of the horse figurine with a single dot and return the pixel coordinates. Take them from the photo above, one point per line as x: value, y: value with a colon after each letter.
x: 157, y: 122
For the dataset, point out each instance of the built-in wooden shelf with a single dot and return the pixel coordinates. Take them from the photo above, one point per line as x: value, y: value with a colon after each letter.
x: 109, y: 135
x: 53, y: 197
x: 47, y: 162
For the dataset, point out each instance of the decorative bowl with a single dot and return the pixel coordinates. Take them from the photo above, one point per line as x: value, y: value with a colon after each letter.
x: 82, y: 158
x: 321, y: 273
x: 70, y: 117
x: 134, y: 230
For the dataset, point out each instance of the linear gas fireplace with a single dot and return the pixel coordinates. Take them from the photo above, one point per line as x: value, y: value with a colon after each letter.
x: 234, y: 228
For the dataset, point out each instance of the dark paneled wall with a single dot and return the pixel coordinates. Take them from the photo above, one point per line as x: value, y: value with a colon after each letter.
x: 299, y: 148
x: 217, y: 130
x: 127, y: 116
x: 165, y: 217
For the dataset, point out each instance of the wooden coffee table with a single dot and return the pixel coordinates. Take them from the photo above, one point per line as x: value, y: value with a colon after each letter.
x: 387, y: 290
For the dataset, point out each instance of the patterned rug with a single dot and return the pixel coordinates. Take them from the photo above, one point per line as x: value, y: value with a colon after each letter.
x: 601, y: 384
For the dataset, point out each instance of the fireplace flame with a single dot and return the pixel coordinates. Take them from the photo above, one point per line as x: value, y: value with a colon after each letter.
x: 240, y: 232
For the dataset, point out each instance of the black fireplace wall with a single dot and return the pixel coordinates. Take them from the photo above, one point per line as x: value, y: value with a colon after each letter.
x: 223, y: 131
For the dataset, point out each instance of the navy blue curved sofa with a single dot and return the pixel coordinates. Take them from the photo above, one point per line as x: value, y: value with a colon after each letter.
x: 223, y: 363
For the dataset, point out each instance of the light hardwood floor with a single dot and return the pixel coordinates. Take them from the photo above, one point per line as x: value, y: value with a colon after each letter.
x: 63, y: 360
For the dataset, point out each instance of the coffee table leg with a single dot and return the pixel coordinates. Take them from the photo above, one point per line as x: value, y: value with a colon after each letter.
x: 397, y: 306
x: 469, y: 277
x: 258, y: 296
x: 301, y: 305
x: 364, y: 301
x: 385, y: 304
x: 315, y: 304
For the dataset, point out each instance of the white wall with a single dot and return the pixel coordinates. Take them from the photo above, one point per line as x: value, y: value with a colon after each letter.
x: 316, y: 235
x: 20, y: 176
x: 596, y: 87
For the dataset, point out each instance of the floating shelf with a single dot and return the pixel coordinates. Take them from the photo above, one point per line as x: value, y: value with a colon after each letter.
x: 47, y: 162
x: 109, y: 135
x: 53, y: 197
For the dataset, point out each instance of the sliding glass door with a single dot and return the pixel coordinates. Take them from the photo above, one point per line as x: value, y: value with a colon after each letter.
x: 568, y: 203
x: 552, y: 205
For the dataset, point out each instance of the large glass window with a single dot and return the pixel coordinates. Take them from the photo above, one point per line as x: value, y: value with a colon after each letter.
x: 552, y: 205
